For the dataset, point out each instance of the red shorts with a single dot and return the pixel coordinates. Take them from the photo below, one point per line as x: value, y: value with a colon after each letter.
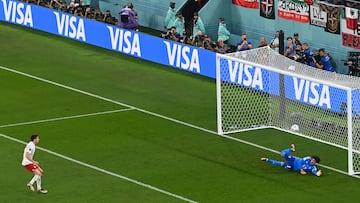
x: 31, y: 167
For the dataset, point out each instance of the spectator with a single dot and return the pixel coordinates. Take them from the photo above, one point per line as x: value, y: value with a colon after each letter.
x: 290, y: 49
x: 223, y: 32
x: 170, y: 16
x: 263, y: 42
x: 127, y: 19
x: 198, y: 25
x: 274, y: 44
x: 244, y: 44
x: 180, y: 24
x: 307, y: 56
x: 325, y: 62
x: 296, y: 39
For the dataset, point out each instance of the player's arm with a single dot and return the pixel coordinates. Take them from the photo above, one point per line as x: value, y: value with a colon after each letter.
x: 316, y: 172
x: 313, y: 171
x: 28, y: 156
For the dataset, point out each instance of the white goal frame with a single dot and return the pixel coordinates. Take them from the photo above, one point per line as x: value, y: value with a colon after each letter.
x: 345, y: 87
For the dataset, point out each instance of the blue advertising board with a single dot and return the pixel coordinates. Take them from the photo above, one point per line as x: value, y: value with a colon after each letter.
x: 296, y: 89
x: 177, y: 55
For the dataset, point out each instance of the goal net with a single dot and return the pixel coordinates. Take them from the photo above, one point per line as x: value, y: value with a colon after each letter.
x: 260, y: 88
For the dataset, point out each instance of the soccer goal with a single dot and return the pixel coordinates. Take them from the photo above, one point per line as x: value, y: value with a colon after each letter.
x: 261, y: 89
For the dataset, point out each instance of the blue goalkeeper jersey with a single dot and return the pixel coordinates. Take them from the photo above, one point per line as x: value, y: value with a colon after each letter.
x: 304, y: 163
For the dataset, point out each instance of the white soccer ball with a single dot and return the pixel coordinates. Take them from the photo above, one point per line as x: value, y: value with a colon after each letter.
x: 295, y: 127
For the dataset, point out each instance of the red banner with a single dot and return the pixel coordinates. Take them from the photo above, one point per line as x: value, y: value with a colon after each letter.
x: 247, y: 3
x: 350, y: 40
x: 350, y: 27
x: 293, y: 10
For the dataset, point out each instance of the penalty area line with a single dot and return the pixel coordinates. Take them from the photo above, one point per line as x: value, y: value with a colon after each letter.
x: 65, y: 118
x: 103, y: 170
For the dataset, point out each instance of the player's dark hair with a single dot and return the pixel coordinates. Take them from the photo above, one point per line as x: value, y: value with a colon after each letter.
x: 317, y: 159
x: 322, y: 50
x: 33, y: 137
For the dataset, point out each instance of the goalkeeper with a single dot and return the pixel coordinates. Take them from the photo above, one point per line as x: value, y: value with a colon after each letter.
x: 302, y: 165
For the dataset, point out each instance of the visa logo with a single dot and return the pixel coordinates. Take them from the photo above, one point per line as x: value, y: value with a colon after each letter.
x: 312, y: 92
x: 246, y: 75
x: 182, y: 56
x: 17, y: 12
x: 124, y: 41
x: 70, y: 26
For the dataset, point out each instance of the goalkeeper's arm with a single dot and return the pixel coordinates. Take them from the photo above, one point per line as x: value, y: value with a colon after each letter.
x: 313, y: 171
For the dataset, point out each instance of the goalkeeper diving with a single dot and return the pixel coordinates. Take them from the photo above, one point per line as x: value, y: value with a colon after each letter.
x: 302, y: 165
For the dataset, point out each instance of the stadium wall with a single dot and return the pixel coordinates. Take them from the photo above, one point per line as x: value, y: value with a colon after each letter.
x: 158, y: 50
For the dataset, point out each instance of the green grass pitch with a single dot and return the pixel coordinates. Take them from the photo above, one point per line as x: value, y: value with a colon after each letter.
x: 183, y: 160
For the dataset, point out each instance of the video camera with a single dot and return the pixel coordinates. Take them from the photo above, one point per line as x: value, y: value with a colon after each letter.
x: 353, y: 62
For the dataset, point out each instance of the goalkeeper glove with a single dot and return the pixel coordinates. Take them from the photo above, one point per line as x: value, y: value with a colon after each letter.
x: 319, y: 173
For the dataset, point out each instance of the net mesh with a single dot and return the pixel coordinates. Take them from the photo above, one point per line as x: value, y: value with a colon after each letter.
x: 262, y: 88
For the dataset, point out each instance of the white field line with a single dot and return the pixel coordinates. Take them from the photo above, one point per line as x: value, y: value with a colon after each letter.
x: 158, y: 115
x: 103, y: 170
x: 65, y: 118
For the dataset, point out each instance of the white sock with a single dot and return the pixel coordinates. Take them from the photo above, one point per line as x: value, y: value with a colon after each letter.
x: 38, y: 183
x: 32, y: 181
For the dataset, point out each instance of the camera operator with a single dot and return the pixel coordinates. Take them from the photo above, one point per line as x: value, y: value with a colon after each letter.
x: 307, y: 56
x: 71, y: 8
x: 221, y: 47
x: 128, y: 18
x: 172, y: 35
x: 244, y: 44
x: 198, y: 40
x: 207, y: 43
x: 325, y: 62
x: 78, y: 11
x: 353, y: 63
x: 107, y: 17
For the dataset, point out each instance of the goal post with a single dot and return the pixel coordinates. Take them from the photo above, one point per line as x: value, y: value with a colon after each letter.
x: 259, y: 88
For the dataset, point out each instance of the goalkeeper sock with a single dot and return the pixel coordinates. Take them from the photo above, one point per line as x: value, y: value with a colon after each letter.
x: 276, y: 163
x: 285, y: 152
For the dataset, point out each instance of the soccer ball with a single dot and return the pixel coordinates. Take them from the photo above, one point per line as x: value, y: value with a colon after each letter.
x: 295, y: 127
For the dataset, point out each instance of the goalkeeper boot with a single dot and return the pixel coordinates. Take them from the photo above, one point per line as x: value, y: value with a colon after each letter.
x: 292, y: 146
x: 264, y: 159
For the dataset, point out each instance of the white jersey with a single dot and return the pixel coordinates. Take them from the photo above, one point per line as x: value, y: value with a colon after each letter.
x: 30, y: 147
